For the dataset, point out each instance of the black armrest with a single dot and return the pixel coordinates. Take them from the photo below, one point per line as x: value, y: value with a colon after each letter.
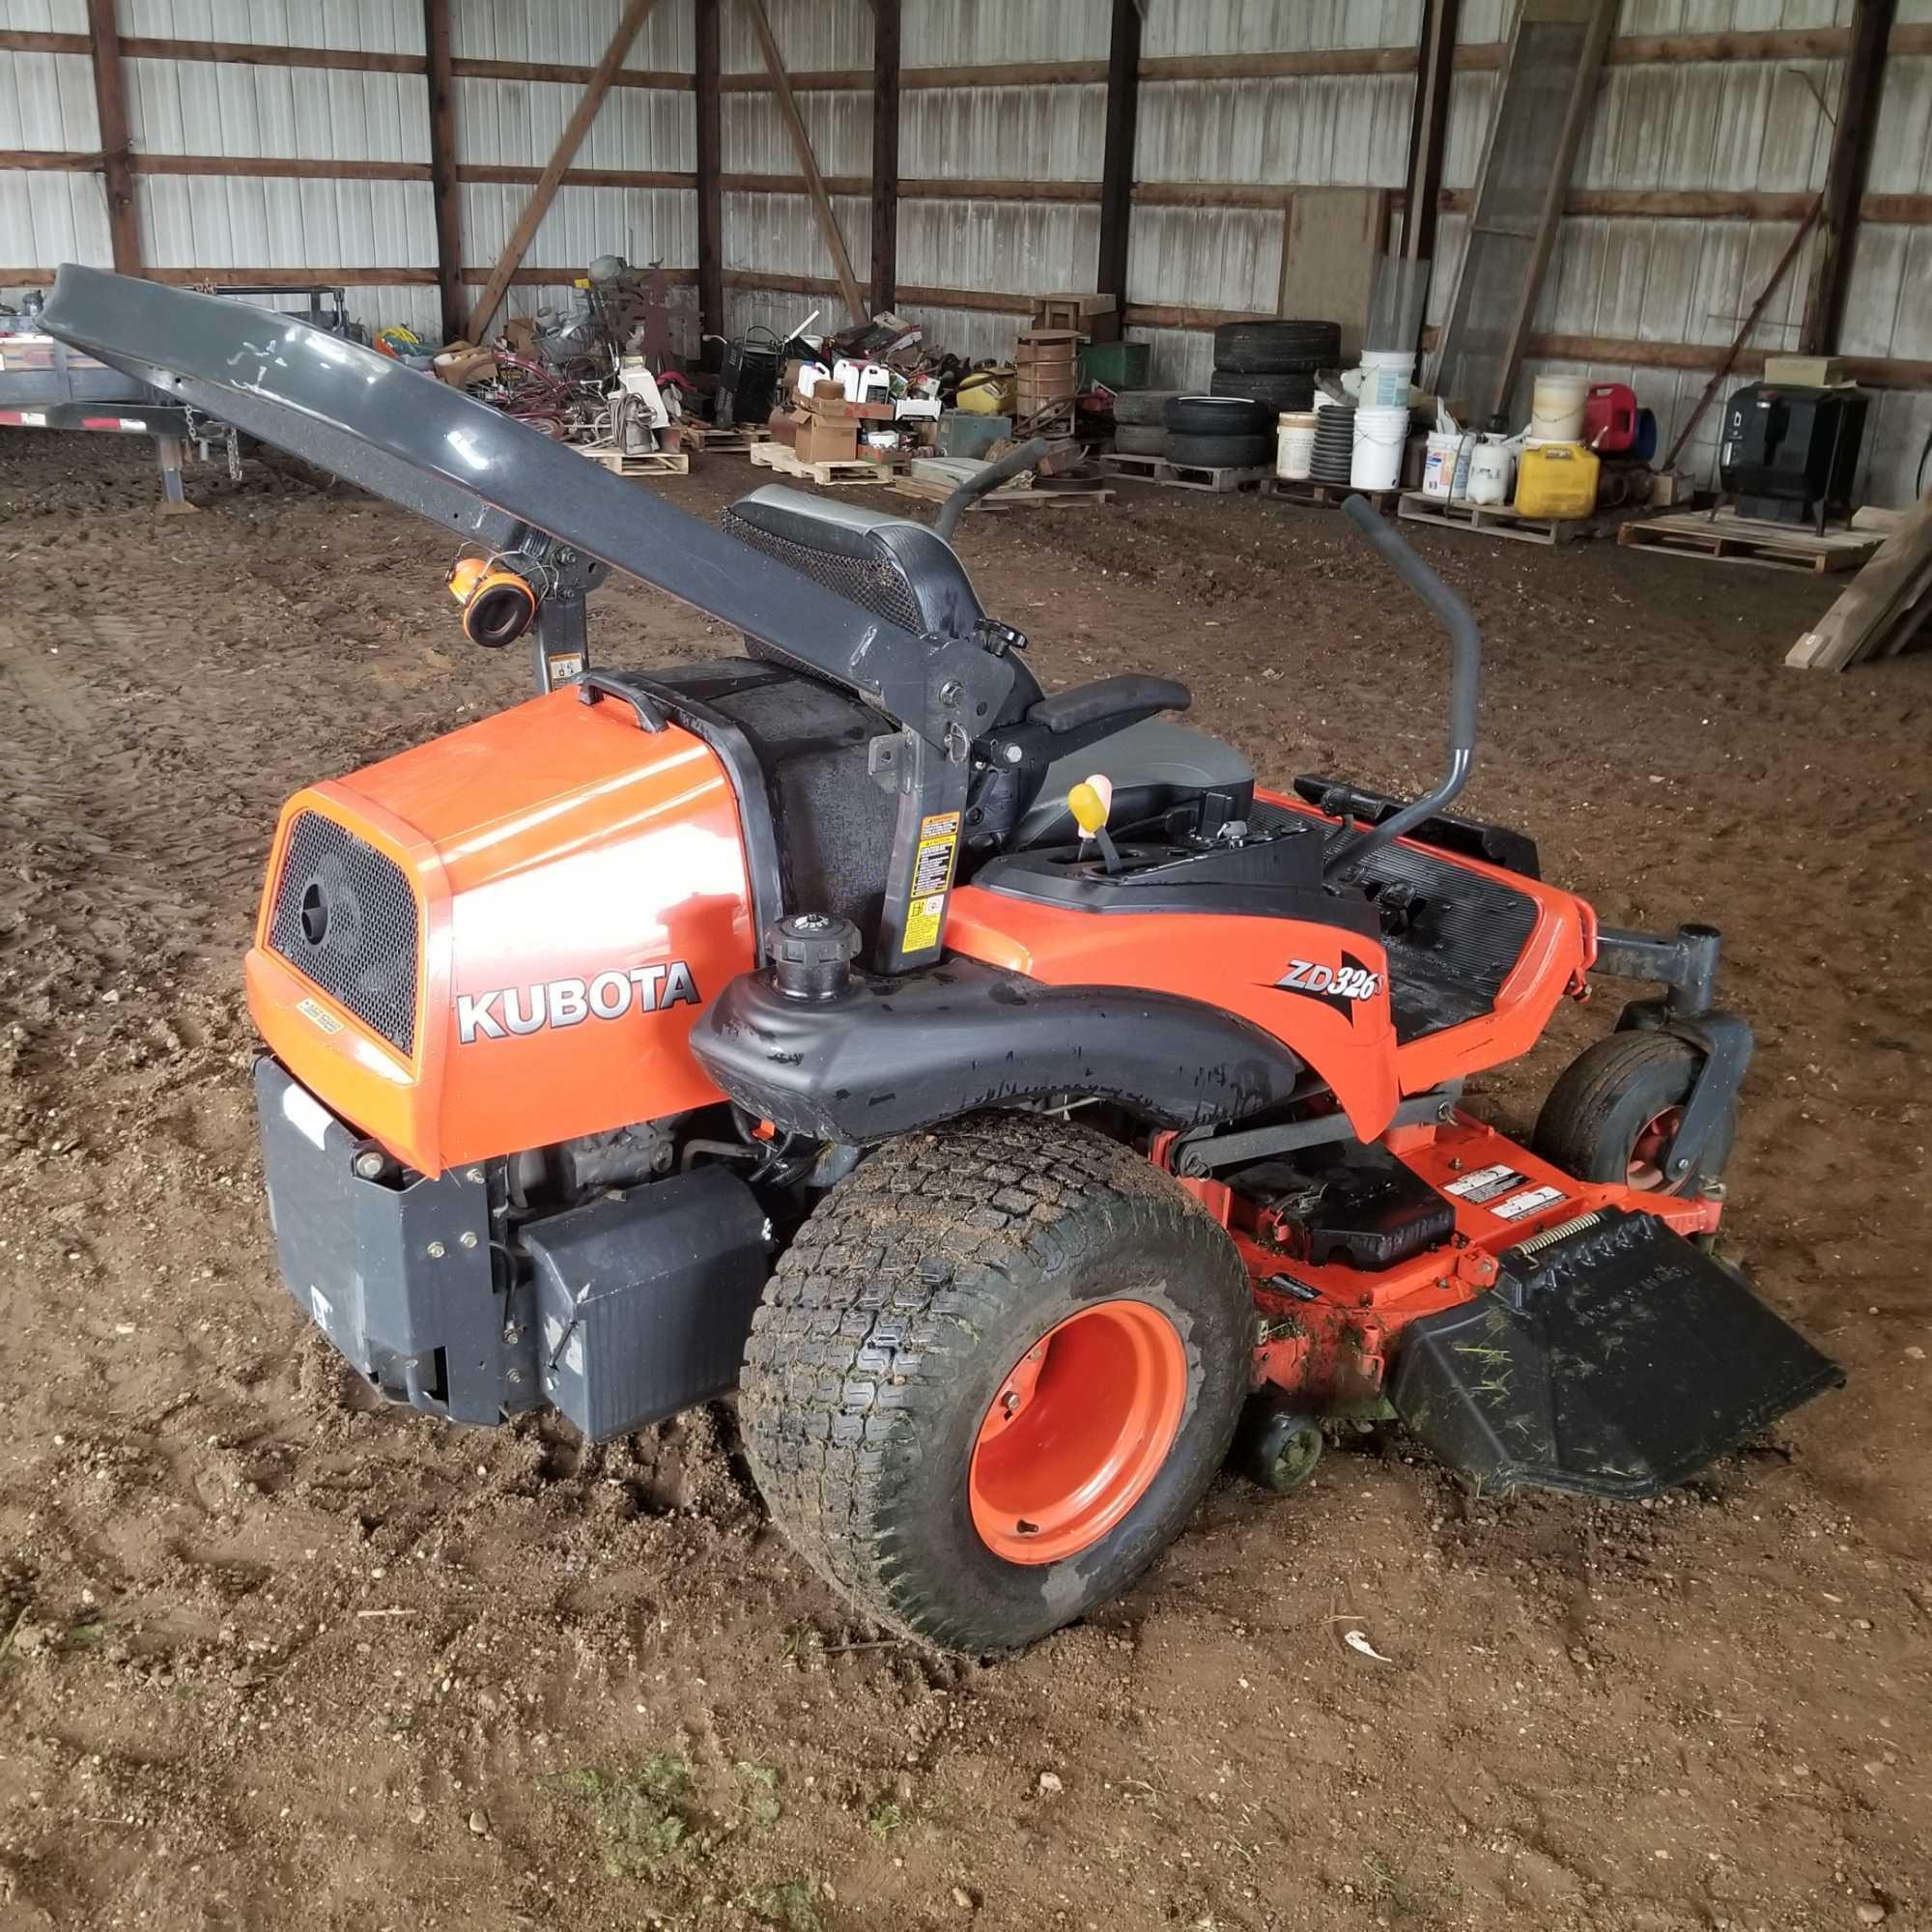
x: 1111, y: 703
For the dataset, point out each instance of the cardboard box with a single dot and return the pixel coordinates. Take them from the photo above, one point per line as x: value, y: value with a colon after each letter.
x: 463, y: 363
x: 832, y: 406
x: 1095, y: 317
x: 521, y: 333
x: 1804, y: 372
x: 821, y: 440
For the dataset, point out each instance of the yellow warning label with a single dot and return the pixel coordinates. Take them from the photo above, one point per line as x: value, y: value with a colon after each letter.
x: 932, y: 877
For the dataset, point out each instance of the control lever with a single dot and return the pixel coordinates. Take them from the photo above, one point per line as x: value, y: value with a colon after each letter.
x: 1091, y: 803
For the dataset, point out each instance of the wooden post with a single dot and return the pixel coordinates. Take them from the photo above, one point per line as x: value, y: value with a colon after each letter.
x: 800, y: 141
x: 710, y: 196
x: 1845, y: 177
x: 443, y: 193
x: 885, y: 153
x: 1429, y: 126
x: 544, y: 191
x: 110, y: 100
x: 1117, y: 162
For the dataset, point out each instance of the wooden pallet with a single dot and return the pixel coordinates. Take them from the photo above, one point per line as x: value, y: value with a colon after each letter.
x: 1729, y: 538
x: 1490, y: 520
x: 1325, y: 495
x: 722, y: 440
x: 827, y: 475
x: 1008, y: 497
x: 653, y: 462
x: 1183, y: 475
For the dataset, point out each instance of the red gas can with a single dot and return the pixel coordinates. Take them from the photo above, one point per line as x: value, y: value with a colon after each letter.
x: 1610, y: 418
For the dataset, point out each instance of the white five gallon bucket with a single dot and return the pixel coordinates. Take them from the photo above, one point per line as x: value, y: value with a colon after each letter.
x: 1445, y: 470
x: 1491, y: 467
x: 1294, y: 444
x: 1379, y: 436
x: 1556, y: 408
x: 1386, y: 374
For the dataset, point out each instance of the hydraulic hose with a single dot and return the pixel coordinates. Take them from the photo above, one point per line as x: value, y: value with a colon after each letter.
x: 1465, y: 643
x: 1016, y: 462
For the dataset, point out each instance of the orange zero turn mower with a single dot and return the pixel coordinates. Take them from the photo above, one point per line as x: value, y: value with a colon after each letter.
x: 1017, y: 1105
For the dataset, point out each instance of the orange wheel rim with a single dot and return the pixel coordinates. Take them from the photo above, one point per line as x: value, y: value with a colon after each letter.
x: 1645, y: 1168
x: 1077, y: 1432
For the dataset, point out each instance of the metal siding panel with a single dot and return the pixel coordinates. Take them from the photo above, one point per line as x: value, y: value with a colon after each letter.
x: 965, y: 33
x: 1902, y: 141
x: 1180, y: 359
x: 1231, y: 260
x: 60, y: 16
x: 754, y: 139
x: 810, y: 34
x: 1002, y: 247
x: 1001, y: 133
x: 1175, y: 27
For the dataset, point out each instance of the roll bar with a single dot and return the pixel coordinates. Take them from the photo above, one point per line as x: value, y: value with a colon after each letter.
x: 1465, y: 642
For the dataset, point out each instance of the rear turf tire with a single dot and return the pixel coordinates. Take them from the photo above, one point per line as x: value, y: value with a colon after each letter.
x: 899, y: 1315
x: 1595, y: 1119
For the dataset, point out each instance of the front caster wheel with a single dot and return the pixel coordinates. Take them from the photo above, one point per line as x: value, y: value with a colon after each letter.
x: 992, y: 1376
x: 1277, y: 1447
x: 1616, y: 1107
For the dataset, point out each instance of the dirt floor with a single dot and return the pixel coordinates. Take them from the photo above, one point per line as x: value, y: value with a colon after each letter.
x: 274, y: 1659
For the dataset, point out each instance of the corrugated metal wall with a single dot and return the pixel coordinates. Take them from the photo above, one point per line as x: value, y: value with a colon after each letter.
x: 1747, y: 125
x: 305, y: 228
x: 998, y: 246
x: 1737, y: 125
x: 778, y: 234
x: 517, y: 123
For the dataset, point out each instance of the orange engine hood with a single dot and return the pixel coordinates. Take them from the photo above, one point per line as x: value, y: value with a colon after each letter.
x: 580, y: 893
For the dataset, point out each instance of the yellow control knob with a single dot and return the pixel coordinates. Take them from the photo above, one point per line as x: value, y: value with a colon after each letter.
x: 1089, y: 802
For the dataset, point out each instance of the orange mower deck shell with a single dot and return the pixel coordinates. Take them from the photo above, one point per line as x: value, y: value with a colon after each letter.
x: 1328, y: 1328
x: 555, y: 841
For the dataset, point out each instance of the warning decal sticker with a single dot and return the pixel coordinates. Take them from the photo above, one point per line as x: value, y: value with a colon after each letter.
x: 932, y: 877
x: 1485, y: 1185
x: 1528, y: 1202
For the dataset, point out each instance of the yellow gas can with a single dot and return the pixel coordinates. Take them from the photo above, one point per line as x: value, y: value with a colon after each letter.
x: 1557, y: 480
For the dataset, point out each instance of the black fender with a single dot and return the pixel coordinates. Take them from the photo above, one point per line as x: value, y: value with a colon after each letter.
x: 888, y: 1056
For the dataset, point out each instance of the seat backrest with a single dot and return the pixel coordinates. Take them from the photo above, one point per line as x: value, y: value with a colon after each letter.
x: 892, y: 566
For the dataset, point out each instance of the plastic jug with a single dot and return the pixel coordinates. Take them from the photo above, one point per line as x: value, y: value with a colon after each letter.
x: 1610, y: 417
x: 1557, y: 481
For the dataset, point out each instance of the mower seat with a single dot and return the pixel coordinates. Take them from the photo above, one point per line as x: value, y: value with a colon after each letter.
x: 892, y: 566
x: 1153, y: 766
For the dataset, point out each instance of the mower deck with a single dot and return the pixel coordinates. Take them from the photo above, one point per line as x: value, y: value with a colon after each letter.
x: 1571, y: 1336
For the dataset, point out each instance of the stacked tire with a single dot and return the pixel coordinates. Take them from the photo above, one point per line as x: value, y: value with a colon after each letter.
x: 1219, y: 433
x: 1274, y: 365
x: 1140, y: 421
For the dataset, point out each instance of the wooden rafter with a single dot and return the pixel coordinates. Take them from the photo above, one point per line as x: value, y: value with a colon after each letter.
x: 885, y: 153
x: 544, y: 191
x: 110, y: 100
x: 443, y: 197
x: 709, y: 182
x: 800, y: 141
x: 1117, y: 159
x: 1429, y: 126
x: 1845, y: 176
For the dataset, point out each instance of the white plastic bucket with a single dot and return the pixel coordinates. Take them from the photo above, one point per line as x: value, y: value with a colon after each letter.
x: 1386, y: 374
x: 1445, y: 468
x: 1490, y: 469
x: 1294, y: 444
x: 1379, y: 436
x: 1556, y: 408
